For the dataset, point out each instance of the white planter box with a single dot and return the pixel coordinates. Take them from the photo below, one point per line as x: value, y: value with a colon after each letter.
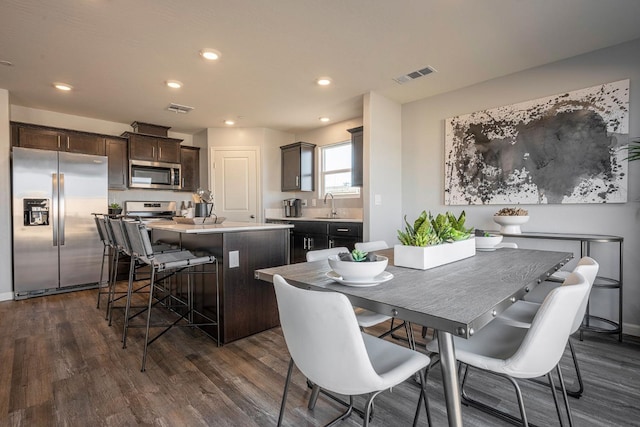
x: 423, y: 258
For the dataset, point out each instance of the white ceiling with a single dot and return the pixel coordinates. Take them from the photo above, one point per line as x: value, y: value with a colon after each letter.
x: 118, y: 53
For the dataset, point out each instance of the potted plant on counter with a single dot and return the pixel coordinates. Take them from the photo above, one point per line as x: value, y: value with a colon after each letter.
x: 432, y: 241
x: 115, y: 209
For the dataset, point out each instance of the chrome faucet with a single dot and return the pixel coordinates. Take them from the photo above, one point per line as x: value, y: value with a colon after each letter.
x: 333, y: 207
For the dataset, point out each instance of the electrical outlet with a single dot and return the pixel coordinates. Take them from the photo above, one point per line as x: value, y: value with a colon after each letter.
x: 304, y: 203
x: 313, y: 202
x: 234, y: 259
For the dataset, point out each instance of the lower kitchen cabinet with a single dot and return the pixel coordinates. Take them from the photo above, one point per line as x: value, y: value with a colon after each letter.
x: 314, y: 235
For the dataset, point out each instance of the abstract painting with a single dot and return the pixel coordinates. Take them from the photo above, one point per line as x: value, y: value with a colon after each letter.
x: 566, y: 148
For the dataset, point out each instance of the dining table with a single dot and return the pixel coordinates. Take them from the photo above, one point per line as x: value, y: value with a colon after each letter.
x: 456, y: 299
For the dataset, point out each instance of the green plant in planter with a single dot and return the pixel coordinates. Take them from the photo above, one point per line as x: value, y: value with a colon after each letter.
x: 114, y: 205
x: 429, y: 230
x: 359, y: 256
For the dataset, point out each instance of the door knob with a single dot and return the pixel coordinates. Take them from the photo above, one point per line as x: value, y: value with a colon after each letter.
x: 252, y: 216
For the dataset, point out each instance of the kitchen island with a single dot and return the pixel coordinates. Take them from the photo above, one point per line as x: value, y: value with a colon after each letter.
x: 246, y: 305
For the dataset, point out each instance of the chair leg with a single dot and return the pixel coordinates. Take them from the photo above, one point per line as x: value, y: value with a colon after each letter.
x: 423, y: 397
x: 409, y: 330
x: 368, y: 406
x: 564, y: 395
x: 112, y: 282
x: 286, y: 391
x: 313, y: 399
x: 104, y: 254
x: 128, y: 305
x: 555, y: 397
x: 576, y: 393
x: 146, y: 337
x: 490, y: 410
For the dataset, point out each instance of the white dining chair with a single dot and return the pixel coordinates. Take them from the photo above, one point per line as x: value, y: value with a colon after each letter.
x: 524, y: 353
x: 326, y: 345
x: 521, y: 313
x: 375, y: 245
x: 366, y: 318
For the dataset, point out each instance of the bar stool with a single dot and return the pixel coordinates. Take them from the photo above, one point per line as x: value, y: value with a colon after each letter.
x: 169, y: 263
x: 106, y: 253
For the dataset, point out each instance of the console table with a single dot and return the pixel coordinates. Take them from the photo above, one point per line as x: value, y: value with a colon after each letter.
x: 608, y: 326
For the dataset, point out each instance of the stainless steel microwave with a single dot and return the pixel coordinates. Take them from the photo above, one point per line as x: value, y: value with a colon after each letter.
x: 158, y: 175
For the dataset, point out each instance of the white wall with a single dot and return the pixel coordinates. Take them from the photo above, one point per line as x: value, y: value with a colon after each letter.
x: 6, y: 259
x: 382, y: 168
x: 423, y: 159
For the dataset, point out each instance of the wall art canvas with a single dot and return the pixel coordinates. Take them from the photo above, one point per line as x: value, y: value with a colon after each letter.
x: 566, y: 148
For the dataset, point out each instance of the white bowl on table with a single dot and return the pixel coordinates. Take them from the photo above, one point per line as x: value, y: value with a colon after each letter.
x: 488, y: 242
x: 358, y: 271
x: 510, y: 224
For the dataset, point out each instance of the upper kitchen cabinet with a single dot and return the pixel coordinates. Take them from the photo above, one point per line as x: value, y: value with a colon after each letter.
x: 190, y: 162
x: 153, y: 148
x: 116, y: 150
x: 43, y: 138
x: 298, y: 167
x: 356, y: 155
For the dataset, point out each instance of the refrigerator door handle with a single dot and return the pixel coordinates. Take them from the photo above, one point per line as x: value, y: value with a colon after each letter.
x: 54, y: 202
x: 61, y: 211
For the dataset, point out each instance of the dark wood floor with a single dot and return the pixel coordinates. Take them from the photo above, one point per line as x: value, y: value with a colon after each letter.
x: 62, y: 365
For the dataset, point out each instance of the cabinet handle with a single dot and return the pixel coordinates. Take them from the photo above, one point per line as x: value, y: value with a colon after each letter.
x: 67, y: 143
x: 304, y: 243
x: 58, y: 141
x: 159, y: 152
x: 310, y: 244
x: 153, y: 152
x: 331, y: 243
x: 297, y: 180
x: 342, y: 229
x: 182, y: 182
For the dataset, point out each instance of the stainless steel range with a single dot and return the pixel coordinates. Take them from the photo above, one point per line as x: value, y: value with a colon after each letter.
x: 150, y: 210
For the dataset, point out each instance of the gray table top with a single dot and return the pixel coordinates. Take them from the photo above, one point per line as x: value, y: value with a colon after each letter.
x: 460, y: 297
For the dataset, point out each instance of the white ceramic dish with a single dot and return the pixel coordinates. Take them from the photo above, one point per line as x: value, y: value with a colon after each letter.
x: 385, y: 276
x: 358, y: 271
x: 510, y: 224
x: 488, y: 242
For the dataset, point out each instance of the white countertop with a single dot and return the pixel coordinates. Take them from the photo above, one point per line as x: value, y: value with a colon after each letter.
x: 225, y: 227
x: 319, y: 219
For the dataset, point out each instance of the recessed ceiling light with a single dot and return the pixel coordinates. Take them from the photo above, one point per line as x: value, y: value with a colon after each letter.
x: 210, y: 54
x: 63, y: 86
x: 229, y: 122
x: 174, y: 84
x: 324, y: 119
x: 324, y: 81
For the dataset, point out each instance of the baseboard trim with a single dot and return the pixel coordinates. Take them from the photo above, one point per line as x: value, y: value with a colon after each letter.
x: 631, y: 329
x: 6, y: 296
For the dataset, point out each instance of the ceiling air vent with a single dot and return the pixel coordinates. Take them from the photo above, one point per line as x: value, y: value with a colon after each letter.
x: 177, y: 108
x: 414, y: 75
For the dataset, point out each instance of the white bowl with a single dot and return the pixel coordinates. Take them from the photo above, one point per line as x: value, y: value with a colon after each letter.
x: 358, y: 271
x: 488, y: 242
x: 510, y: 224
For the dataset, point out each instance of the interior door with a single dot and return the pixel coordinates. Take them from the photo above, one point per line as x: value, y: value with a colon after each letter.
x: 235, y: 183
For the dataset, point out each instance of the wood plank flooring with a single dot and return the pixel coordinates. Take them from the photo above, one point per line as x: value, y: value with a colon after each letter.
x: 62, y: 365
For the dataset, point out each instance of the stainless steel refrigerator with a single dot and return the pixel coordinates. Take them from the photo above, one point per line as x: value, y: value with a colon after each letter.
x: 55, y: 242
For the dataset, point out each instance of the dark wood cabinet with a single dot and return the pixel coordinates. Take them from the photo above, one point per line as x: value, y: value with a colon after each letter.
x: 356, y: 155
x: 313, y: 235
x: 190, y: 165
x: 116, y: 150
x: 153, y: 148
x: 43, y: 138
x: 85, y: 144
x: 298, y: 167
x: 345, y: 234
